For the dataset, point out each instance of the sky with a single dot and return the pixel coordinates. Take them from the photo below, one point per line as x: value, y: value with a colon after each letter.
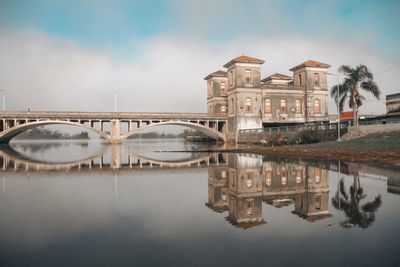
x: 71, y: 55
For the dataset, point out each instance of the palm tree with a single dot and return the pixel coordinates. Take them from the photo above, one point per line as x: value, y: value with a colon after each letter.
x: 362, y: 216
x: 355, y: 79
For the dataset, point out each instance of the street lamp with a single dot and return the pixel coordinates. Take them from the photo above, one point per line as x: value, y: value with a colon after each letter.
x: 115, y: 100
x: 337, y: 99
x: 4, y: 99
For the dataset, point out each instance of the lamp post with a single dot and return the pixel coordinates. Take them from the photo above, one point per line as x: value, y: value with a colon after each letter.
x: 115, y: 100
x: 4, y: 99
x: 337, y: 103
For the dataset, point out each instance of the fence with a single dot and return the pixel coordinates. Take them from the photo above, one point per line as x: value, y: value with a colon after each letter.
x: 297, y: 128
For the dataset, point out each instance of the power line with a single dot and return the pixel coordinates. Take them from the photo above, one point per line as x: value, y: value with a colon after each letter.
x: 386, y: 70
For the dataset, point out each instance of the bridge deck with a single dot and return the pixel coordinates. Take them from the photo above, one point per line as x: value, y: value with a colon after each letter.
x: 109, y: 115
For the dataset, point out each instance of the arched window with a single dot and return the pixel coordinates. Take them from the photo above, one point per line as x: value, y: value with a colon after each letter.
x: 268, y: 108
x: 250, y: 207
x: 223, y: 109
x: 317, y: 176
x: 298, y: 106
x: 248, y: 105
x: 299, y: 80
x: 268, y: 178
x: 317, y: 107
x: 316, y: 79
x: 299, y: 176
x: 283, y: 106
x: 284, y: 178
x: 249, y: 180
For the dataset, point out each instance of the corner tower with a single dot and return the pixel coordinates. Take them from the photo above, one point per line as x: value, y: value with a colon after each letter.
x: 244, y: 94
x: 217, y: 92
x: 311, y: 77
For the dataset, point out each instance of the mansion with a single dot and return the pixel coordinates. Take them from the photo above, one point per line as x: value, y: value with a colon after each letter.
x: 250, y: 102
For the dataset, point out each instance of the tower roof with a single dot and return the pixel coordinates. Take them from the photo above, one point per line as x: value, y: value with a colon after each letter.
x: 311, y: 63
x: 244, y: 59
x: 218, y: 73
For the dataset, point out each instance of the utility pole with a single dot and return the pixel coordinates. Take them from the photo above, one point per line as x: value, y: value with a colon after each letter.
x: 337, y: 103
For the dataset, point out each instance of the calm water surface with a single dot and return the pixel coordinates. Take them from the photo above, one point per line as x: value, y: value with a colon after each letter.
x: 90, y: 204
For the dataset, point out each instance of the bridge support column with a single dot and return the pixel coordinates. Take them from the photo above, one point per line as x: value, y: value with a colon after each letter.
x: 115, y: 132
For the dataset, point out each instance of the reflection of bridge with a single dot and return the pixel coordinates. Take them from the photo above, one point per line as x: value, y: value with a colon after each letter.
x: 13, y: 123
x: 12, y: 162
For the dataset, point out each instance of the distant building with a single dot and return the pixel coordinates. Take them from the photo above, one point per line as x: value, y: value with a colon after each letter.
x: 393, y: 103
x: 250, y: 102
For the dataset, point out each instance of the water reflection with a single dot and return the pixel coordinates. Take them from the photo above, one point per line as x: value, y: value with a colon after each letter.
x: 349, y: 202
x: 238, y: 184
x: 248, y: 180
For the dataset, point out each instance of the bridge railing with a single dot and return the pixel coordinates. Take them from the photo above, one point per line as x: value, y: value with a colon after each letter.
x: 107, y: 114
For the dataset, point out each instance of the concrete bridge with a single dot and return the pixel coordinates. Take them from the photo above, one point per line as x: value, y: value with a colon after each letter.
x: 110, y: 125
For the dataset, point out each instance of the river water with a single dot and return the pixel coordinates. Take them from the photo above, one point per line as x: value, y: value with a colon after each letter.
x: 92, y: 204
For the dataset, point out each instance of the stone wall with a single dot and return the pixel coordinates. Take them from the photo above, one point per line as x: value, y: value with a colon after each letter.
x: 363, y: 130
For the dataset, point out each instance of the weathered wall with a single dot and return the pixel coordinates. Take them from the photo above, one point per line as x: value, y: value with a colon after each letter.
x: 363, y: 130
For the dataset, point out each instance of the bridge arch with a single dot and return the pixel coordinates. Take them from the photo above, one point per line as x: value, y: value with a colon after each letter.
x: 7, y: 135
x: 204, y: 129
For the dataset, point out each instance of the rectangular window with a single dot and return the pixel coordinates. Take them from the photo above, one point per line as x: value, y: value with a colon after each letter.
x: 223, y: 88
x: 268, y: 107
x: 298, y: 106
x: 210, y: 89
x: 230, y: 78
x: 316, y: 79
x: 247, y: 76
x: 232, y: 105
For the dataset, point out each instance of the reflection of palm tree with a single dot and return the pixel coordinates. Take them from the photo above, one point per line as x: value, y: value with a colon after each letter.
x: 362, y: 216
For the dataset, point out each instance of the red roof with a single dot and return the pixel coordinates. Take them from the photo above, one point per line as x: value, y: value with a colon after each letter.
x: 276, y: 76
x: 218, y: 73
x: 244, y: 58
x: 311, y: 63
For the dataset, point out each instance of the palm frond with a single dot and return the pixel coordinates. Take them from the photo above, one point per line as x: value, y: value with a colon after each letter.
x: 372, y: 87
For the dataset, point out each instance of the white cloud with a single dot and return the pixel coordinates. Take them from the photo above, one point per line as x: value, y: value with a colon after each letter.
x: 47, y: 73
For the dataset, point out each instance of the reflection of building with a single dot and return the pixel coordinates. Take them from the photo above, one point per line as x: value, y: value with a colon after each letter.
x: 251, y: 102
x: 307, y: 187
x: 245, y: 190
x: 249, y: 181
x: 218, y: 188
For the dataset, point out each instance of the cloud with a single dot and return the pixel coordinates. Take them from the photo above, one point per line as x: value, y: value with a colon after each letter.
x: 44, y: 72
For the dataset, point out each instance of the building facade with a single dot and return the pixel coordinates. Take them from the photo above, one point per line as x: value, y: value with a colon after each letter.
x: 393, y: 103
x: 250, y: 102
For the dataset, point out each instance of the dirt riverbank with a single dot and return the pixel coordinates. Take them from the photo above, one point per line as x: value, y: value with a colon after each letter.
x: 376, y: 149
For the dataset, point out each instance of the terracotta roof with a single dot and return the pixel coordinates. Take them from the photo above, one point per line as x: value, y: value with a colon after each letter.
x: 311, y: 63
x: 218, y: 73
x: 276, y: 76
x: 244, y: 58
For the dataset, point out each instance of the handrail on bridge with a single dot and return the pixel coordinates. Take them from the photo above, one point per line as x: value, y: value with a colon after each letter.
x: 109, y: 114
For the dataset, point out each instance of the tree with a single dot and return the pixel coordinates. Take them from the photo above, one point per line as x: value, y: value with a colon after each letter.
x: 349, y: 202
x: 355, y: 79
